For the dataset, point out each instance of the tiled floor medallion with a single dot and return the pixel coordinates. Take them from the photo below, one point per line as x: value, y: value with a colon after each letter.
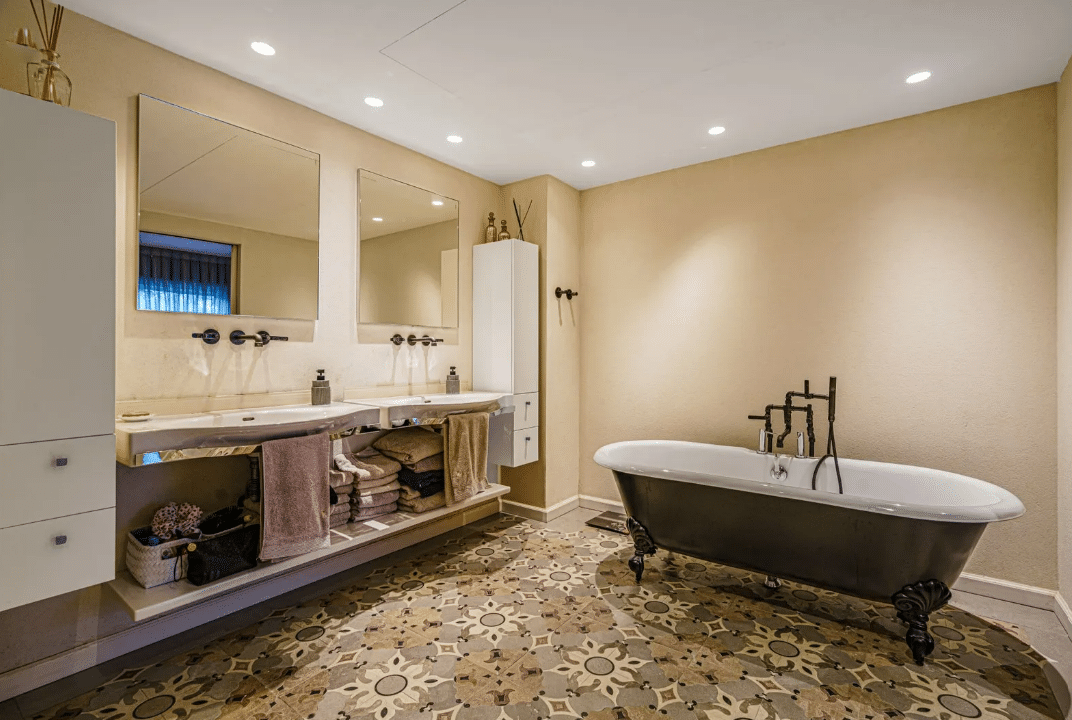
x: 517, y: 622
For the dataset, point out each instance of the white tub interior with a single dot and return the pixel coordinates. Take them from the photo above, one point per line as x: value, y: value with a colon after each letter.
x: 871, y: 486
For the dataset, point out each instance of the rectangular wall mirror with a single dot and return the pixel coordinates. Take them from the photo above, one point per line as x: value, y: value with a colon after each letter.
x: 409, y: 254
x: 228, y: 220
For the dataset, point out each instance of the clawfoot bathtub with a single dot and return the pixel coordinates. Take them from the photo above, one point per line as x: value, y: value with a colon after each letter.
x: 898, y: 534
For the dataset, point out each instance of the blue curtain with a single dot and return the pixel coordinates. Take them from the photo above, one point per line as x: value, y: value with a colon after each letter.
x: 182, y: 281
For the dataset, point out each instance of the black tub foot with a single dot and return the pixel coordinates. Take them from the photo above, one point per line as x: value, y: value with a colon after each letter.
x: 914, y: 604
x: 642, y: 545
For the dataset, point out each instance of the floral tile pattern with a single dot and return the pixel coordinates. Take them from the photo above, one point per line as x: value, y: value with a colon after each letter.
x: 517, y: 621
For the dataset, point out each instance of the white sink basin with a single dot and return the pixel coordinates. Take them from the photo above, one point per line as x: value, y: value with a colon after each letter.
x: 235, y: 427
x: 394, y: 410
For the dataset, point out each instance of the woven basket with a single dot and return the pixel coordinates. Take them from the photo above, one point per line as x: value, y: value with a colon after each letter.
x: 149, y: 566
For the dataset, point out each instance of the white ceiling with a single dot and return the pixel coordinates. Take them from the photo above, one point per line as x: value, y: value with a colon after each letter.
x: 537, y: 86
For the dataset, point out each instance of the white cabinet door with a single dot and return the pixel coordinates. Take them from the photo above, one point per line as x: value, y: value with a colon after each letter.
x: 57, y: 272
x: 52, y: 479
x: 526, y: 302
x: 51, y: 557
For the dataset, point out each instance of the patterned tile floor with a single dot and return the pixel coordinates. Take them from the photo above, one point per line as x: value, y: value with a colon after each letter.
x: 521, y: 621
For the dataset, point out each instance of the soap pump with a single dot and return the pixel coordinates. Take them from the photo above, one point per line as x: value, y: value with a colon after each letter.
x: 321, y: 390
x: 453, y: 382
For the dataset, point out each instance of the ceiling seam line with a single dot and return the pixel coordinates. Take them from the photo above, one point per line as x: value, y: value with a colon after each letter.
x: 199, y: 157
x: 452, y: 7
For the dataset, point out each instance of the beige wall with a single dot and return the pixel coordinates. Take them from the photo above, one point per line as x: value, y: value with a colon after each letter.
x: 913, y: 259
x: 1064, y: 331
x: 402, y: 274
x: 554, y: 223
x: 156, y: 359
x: 277, y: 274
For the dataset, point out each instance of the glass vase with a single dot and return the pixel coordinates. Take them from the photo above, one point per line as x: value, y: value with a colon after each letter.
x: 46, y: 81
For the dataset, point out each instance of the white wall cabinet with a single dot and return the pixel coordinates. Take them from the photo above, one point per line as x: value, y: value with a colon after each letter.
x: 57, y: 353
x: 506, y: 343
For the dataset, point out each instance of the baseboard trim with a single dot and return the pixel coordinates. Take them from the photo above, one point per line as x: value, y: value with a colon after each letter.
x: 42, y: 672
x: 1064, y: 613
x: 594, y: 503
x: 531, y: 512
x: 1029, y: 595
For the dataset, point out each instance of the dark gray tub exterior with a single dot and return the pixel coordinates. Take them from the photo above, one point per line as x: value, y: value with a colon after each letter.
x: 866, y: 554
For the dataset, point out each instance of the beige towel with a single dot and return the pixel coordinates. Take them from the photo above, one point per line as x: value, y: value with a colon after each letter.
x: 295, y: 496
x: 420, y: 505
x: 410, y: 445
x: 377, y: 466
x: 374, y: 500
x: 435, y: 462
x: 373, y: 512
x: 345, y: 489
x: 467, y: 456
x: 340, y: 509
x: 339, y: 478
x: 342, y: 498
x: 389, y: 487
x: 339, y: 520
x: 408, y: 493
x: 366, y: 485
x: 344, y: 465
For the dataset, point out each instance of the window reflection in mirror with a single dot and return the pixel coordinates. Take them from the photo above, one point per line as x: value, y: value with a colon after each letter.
x: 228, y: 220
x: 409, y: 254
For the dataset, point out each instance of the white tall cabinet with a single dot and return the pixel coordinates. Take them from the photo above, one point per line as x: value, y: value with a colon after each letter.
x: 506, y: 343
x: 57, y: 350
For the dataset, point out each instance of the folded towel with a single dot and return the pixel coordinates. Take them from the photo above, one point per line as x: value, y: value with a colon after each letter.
x: 344, y: 489
x: 340, y: 477
x: 421, y: 505
x: 435, y: 462
x: 376, y: 465
x: 410, y: 445
x: 341, y: 509
x: 375, y: 500
x: 373, y: 512
x: 389, y: 487
x: 378, y: 482
x: 467, y: 456
x: 339, y: 520
x: 428, y: 483
x: 343, y: 464
x: 295, y: 497
x: 344, y: 498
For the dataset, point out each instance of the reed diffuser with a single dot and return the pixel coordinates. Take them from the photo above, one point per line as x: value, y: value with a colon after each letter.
x: 45, y: 80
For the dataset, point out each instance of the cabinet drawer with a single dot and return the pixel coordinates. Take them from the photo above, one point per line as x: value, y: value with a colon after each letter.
x: 56, y: 478
x: 35, y: 567
x: 526, y: 411
x: 512, y: 448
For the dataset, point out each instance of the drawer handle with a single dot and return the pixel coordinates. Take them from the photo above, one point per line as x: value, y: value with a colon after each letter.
x: 60, y: 540
x: 60, y: 462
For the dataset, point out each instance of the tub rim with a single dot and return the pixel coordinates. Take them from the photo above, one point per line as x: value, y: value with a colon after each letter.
x: 1006, y: 506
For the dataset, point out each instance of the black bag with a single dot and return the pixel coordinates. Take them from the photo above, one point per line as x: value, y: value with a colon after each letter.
x: 217, y: 557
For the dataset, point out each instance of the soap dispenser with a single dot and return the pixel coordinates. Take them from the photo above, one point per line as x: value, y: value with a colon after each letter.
x: 321, y: 390
x: 453, y: 383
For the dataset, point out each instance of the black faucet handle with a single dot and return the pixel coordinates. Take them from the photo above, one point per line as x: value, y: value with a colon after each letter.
x: 757, y: 417
x: 211, y: 336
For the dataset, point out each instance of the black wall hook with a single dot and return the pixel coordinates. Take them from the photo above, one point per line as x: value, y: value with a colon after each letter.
x: 570, y: 294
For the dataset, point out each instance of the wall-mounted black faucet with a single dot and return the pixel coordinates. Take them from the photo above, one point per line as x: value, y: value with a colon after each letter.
x: 211, y: 336
x: 426, y: 340
x: 570, y: 294
x: 397, y: 339
x: 260, y: 338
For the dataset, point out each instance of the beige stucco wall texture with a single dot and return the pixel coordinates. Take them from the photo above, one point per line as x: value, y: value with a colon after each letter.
x: 914, y: 260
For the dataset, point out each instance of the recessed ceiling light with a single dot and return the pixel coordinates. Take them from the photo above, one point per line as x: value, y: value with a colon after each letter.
x: 437, y: 202
x: 716, y: 130
x: 377, y: 219
x: 454, y: 138
x: 918, y: 77
x: 374, y: 102
x: 588, y: 163
x: 263, y: 48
